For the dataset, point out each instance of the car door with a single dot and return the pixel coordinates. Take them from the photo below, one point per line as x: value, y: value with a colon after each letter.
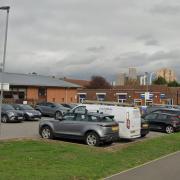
x: 151, y: 118
x: 43, y: 108
x: 161, y: 121
x: 70, y: 125
x: 50, y: 109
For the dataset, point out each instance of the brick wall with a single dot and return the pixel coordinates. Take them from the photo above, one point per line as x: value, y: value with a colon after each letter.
x: 32, y: 93
x: 135, y: 93
x: 61, y: 95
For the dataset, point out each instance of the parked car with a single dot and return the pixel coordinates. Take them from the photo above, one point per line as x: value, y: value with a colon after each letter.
x: 51, y: 109
x: 94, y: 128
x: 144, y: 127
x: 9, y: 114
x: 28, y: 111
x: 165, y: 122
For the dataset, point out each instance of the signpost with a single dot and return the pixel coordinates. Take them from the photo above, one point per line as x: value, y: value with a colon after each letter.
x: 4, y: 86
x: 3, y: 8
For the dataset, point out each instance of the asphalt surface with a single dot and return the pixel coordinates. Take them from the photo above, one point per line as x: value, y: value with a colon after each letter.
x: 29, y: 129
x: 167, y: 168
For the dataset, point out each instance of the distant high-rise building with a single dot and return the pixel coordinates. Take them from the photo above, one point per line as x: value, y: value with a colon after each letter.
x: 121, y: 79
x: 147, y: 78
x: 132, y: 73
x: 167, y: 74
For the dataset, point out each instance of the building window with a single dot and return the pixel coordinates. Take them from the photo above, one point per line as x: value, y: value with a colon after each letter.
x: 7, y: 95
x: 149, y: 102
x: 21, y: 95
x: 82, y: 97
x: 101, y: 96
x: 162, y: 96
x: 42, y: 91
x: 137, y: 102
x: 122, y: 97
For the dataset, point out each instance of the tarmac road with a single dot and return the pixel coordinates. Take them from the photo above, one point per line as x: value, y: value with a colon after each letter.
x: 29, y: 129
x: 166, y: 168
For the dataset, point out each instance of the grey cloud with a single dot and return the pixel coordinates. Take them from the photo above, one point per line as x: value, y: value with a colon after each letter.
x: 166, y: 9
x: 96, y: 49
x: 152, y: 42
x: 148, y: 40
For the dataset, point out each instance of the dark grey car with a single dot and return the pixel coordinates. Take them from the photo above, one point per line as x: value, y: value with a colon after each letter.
x: 9, y: 114
x: 51, y: 109
x: 94, y: 128
x: 28, y: 111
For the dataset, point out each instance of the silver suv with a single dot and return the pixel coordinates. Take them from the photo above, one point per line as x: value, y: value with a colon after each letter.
x: 94, y: 128
x: 51, y: 109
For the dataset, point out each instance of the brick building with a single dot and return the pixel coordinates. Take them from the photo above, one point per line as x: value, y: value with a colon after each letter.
x: 35, y: 88
x: 133, y: 94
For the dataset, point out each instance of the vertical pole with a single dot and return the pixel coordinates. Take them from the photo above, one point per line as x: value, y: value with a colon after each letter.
x: 177, y: 97
x: 3, y: 65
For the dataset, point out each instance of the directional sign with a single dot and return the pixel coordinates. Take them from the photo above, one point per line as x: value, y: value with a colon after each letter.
x: 5, y: 86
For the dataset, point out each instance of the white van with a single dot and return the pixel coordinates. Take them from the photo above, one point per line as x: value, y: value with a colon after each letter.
x: 129, y: 118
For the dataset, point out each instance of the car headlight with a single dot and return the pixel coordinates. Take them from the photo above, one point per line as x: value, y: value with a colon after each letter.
x: 11, y: 114
x: 29, y: 114
x: 39, y: 113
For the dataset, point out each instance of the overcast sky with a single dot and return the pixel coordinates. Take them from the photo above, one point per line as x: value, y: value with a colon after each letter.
x: 81, y: 38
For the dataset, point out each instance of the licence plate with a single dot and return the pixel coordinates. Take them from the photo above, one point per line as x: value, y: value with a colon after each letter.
x: 116, y: 128
x: 133, y: 132
x: 145, y: 125
x: 20, y: 117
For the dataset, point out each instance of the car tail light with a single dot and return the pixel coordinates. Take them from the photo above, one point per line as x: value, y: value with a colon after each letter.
x: 128, y: 123
x: 178, y: 117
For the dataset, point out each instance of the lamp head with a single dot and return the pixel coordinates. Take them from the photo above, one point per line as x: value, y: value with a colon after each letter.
x: 5, y: 8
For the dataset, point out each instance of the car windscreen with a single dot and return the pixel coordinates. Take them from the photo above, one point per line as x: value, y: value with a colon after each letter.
x: 59, y: 105
x: 7, y: 107
x: 25, y: 107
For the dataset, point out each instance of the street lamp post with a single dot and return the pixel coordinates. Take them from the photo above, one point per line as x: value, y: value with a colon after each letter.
x: 6, y: 8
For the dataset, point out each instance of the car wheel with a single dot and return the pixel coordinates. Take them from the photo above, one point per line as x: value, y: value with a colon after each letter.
x: 26, y: 117
x: 92, y: 139
x: 46, y: 132
x: 4, y: 119
x: 108, y: 143
x: 169, y: 129
x: 143, y: 135
x: 58, y: 115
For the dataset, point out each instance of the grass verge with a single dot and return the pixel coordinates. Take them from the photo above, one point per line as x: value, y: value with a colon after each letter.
x: 42, y: 160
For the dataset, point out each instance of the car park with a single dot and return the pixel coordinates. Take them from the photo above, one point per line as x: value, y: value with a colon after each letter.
x: 9, y: 114
x: 51, y: 109
x: 28, y: 111
x: 93, y: 128
x: 165, y: 122
x: 144, y: 127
